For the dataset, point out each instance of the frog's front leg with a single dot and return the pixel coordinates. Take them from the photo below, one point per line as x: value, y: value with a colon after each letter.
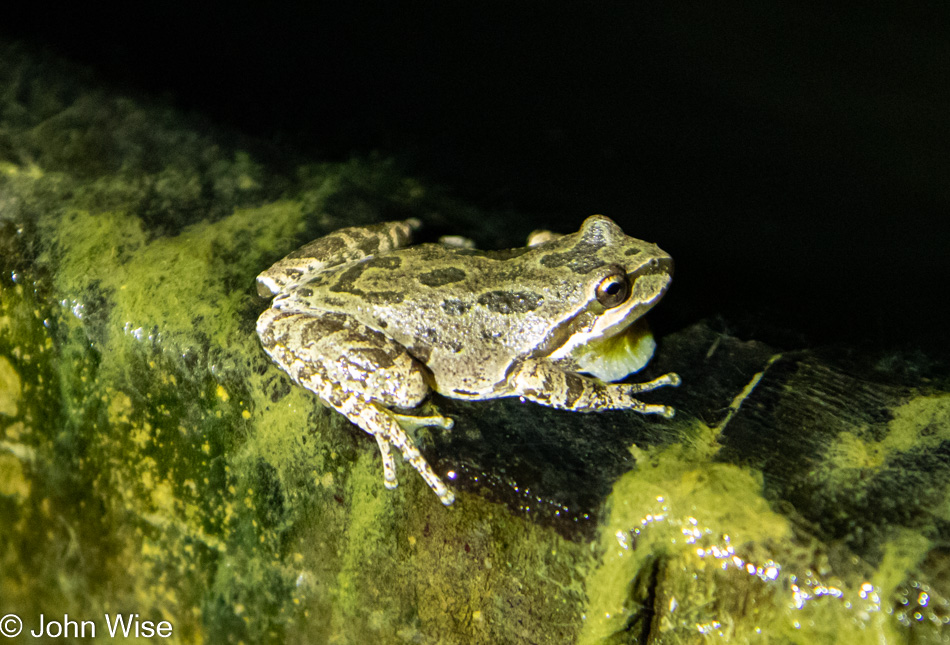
x: 543, y: 382
x: 360, y: 373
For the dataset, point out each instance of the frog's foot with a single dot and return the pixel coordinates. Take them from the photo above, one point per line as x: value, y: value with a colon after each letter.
x: 382, y: 424
x: 544, y: 383
x: 389, y: 464
x: 672, y: 380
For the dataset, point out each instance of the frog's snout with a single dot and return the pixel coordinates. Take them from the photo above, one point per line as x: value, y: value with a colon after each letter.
x: 661, y: 265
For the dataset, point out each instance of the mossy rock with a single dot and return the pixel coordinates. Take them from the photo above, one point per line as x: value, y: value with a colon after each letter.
x: 153, y: 461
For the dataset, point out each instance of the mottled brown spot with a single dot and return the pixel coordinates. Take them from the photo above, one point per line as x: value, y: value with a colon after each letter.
x: 339, y: 303
x: 455, y: 307
x: 369, y: 240
x: 282, y: 314
x: 368, y: 246
x: 421, y: 351
x: 538, y: 396
x: 380, y: 297
x: 384, y: 262
x: 400, y: 236
x: 321, y: 326
x: 432, y: 338
x: 431, y: 335
x: 374, y: 357
x: 320, y: 249
x: 633, y: 251
x: 346, y: 283
x: 582, y: 258
x: 428, y: 253
x: 574, y: 390
x: 510, y: 302
x: 305, y: 291
x: 440, y: 277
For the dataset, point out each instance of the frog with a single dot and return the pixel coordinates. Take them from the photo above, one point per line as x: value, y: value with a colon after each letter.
x: 372, y: 324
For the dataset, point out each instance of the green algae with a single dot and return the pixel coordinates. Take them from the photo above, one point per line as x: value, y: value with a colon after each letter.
x: 665, y: 508
x: 693, y: 550
x: 921, y: 424
x: 223, y: 500
x: 9, y: 388
x: 240, y: 509
x: 173, y: 286
x: 154, y: 461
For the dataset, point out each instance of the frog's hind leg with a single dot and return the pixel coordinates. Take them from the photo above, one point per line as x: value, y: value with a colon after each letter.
x: 338, y: 247
x: 360, y: 373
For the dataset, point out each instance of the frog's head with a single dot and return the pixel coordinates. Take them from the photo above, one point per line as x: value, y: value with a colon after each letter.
x: 620, y: 279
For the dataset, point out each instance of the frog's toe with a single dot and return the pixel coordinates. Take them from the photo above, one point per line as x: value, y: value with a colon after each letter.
x: 434, y: 481
x: 667, y: 380
x: 384, y: 425
x: 664, y: 411
x: 389, y: 464
x: 439, y: 421
x: 447, y: 497
x: 412, y: 422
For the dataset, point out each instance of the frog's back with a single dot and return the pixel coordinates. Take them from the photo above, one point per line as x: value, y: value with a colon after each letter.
x: 467, y: 315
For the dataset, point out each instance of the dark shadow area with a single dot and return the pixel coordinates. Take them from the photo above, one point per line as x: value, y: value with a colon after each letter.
x: 791, y: 157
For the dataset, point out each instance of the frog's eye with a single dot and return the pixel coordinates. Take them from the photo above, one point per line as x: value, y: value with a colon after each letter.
x: 613, y: 290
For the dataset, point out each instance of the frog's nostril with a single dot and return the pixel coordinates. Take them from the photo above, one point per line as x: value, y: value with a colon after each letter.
x: 663, y: 264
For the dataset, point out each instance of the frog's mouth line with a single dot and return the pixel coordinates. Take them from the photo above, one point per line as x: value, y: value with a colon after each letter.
x: 647, y: 290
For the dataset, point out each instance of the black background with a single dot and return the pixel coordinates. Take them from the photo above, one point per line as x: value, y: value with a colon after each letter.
x: 794, y: 158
